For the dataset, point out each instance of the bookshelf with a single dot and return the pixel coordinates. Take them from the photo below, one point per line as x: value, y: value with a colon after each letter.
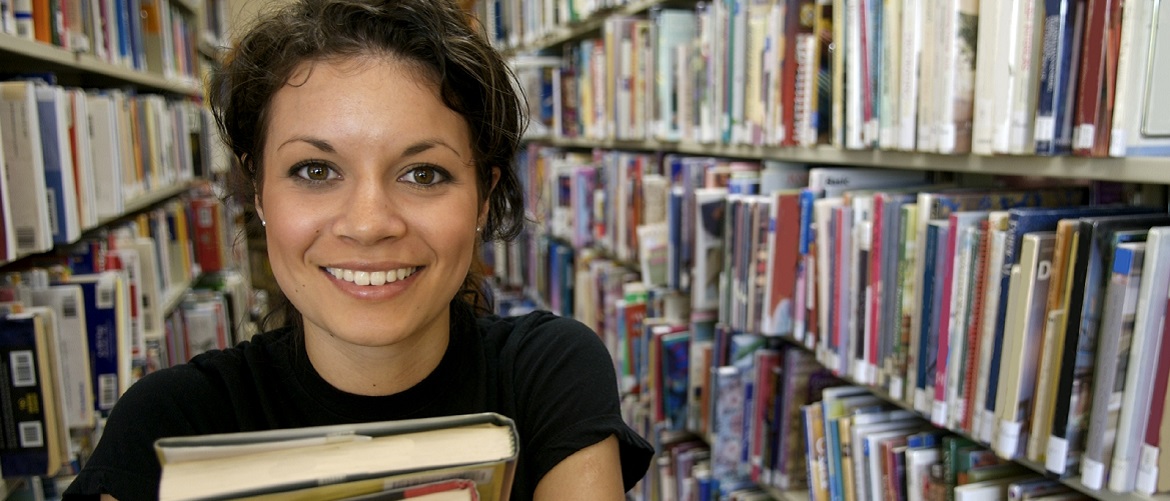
x: 140, y: 178
x: 1151, y: 174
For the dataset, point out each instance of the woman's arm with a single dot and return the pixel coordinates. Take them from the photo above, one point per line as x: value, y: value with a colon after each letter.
x: 592, y: 473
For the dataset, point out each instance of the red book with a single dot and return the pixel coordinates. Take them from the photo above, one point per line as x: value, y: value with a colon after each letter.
x: 1091, y: 83
x: 207, y: 229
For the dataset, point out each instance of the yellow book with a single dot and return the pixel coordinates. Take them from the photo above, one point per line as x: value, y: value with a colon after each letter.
x: 342, y: 461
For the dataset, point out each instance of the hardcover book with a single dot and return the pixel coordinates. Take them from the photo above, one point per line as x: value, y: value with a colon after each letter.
x: 341, y: 461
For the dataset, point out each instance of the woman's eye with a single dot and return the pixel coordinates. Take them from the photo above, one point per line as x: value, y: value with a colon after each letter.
x: 425, y: 176
x: 316, y: 172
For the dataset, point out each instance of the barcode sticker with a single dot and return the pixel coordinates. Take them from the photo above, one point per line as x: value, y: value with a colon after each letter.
x: 24, y: 374
x: 105, y: 294
x: 107, y: 391
x: 1045, y: 129
x: 1056, y: 455
x: 1084, y: 136
x: 32, y: 434
x: 69, y: 307
x: 26, y: 238
x: 54, y: 217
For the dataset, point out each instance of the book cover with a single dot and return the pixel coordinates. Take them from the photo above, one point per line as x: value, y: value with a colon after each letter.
x: 1064, y: 253
x: 408, y: 451
x: 60, y: 181
x: 1022, y: 338
x: 31, y: 441
x: 25, y: 165
x: 1095, y: 236
x: 72, y: 343
x: 109, y: 356
x: 1113, y: 343
x: 1145, y: 346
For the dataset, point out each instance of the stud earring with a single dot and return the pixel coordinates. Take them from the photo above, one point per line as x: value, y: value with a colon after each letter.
x: 263, y: 223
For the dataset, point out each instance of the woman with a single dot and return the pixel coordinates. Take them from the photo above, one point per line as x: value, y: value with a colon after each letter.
x: 376, y: 142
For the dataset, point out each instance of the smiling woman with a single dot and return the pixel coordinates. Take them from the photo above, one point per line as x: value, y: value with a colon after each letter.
x: 375, y: 140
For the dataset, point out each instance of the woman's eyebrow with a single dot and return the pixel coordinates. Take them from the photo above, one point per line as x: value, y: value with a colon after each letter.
x: 320, y: 144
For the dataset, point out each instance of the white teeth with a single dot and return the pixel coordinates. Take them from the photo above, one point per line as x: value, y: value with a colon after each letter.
x: 374, y: 278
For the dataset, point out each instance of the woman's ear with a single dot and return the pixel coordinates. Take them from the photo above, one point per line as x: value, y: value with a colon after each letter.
x: 259, y: 210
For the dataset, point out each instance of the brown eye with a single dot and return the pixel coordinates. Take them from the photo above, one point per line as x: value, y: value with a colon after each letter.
x: 425, y: 175
x: 315, y: 172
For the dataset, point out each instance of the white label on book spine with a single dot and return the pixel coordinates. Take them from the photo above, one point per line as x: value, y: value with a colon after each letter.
x: 1147, y: 477
x: 987, y: 426
x: 1057, y: 455
x: 946, y: 138
x: 1045, y: 129
x: 1084, y: 136
x: 1092, y: 474
x: 1008, y: 441
x: 896, y: 385
x: 938, y: 412
x: 1117, y: 142
x: 921, y: 400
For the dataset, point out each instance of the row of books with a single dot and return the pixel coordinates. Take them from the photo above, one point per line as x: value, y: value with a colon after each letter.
x: 906, y: 285
x: 157, y: 36
x: 122, y: 306
x: 867, y: 449
x: 1048, y: 77
x: 510, y: 24
x: 74, y: 158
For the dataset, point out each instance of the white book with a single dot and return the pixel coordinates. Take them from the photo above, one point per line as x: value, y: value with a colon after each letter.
x: 987, y: 490
x: 83, y: 158
x: 945, y: 75
x: 51, y: 378
x: 833, y: 181
x: 865, y: 424
x: 822, y: 211
x: 985, y: 87
x: 854, y: 86
x: 107, y: 155
x: 1023, y: 332
x: 7, y: 230
x: 1026, y: 53
x: 1128, y: 136
x: 891, y: 75
x: 1155, y: 120
x: 871, y: 453
x: 1113, y: 344
x: 982, y: 423
x: 60, y: 179
x: 24, y: 159
x: 72, y: 349
x: 1143, y: 356
x: 737, y: 57
x: 962, y: 299
x: 918, y: 463
x: 1004, y: 57
x: 908, y: 68
x: 928, y: 87
x: 151, y: 284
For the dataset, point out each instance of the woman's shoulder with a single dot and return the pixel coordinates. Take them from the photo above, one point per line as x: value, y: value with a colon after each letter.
x: 539, y: 326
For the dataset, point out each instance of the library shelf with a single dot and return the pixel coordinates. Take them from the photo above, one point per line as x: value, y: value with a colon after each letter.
x: 1155, y: 170
x: 1073, y: 482
x: 564, y: 33
x: 174, y: 296
x: 781, y: 495
x: 139, y: 204
x: 84, y: 69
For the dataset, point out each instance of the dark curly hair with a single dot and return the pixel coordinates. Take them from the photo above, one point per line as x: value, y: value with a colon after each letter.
x: 436, y: 35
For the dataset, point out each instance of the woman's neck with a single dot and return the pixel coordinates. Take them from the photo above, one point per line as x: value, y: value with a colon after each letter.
x: 376, y: 370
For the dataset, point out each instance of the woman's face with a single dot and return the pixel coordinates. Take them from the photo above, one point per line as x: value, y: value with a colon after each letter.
x: 370, y: 202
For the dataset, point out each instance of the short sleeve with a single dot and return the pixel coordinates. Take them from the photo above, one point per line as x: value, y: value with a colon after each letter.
x: 567, y: 396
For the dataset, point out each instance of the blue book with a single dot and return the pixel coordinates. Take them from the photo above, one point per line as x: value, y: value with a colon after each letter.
x: 1059, y: 64
x: 926, y: 348
x: 29, y: 443
x: 60, y: 184
x: 1021, y: 221
x: 109, y: 339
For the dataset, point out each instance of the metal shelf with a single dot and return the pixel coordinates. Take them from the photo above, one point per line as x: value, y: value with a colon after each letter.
x: 1136, y: 169
x: 561, y: 34
x: 21, y: 54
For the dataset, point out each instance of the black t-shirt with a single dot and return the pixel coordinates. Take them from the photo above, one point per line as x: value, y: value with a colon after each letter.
x: 551, y: 375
